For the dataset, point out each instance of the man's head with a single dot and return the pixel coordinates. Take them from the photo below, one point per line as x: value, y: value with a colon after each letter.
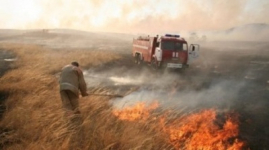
x: 74, y: 63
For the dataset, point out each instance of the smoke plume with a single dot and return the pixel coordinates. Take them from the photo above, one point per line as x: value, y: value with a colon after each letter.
x: 132, y: 16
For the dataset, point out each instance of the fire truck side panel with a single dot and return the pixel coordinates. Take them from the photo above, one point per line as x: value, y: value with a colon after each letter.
x: 144, y: 48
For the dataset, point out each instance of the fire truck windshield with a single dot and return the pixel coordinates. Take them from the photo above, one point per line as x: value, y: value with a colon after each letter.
x: 173, y: 46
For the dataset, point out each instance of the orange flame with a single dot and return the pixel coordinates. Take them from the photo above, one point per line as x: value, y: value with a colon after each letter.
x: 199, y: 131
x: 138, y: 112
x: 191, y: 132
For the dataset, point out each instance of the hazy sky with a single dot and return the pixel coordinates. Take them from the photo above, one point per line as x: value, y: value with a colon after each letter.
x: 132, y: 16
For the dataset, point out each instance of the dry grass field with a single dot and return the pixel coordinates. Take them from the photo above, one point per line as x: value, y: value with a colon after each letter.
x: 33, y: 96
x: 218, y: 114
x: 34, y: 118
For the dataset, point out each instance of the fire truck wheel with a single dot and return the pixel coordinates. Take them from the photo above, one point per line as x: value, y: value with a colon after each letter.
x: 135, y: 59
x: 138, y: 59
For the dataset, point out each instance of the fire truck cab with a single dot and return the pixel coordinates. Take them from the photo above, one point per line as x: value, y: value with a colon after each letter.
x: 168, y: 51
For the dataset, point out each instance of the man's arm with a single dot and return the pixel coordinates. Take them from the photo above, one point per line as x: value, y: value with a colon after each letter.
x: 82, y: 84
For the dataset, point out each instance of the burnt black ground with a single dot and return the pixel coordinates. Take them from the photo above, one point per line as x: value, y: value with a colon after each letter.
x: 4, y: 66
x: 3, y: 97
x: 250, y: 66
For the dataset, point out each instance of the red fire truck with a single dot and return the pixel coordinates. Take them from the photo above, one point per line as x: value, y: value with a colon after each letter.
x: 168, y: 51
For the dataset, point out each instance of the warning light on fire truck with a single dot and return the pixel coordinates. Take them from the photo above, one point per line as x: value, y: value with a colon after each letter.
x: 172, y: 35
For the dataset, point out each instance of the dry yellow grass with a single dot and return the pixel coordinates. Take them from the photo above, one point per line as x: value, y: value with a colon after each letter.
x: 34, y: 118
